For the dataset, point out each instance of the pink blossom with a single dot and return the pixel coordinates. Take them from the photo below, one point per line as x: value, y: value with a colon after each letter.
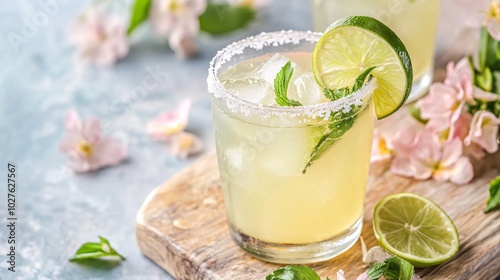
x: 382, y: 148
x: 485, y: 96
x: 484, y: 131
x: 184, y: 144
x: 385, y: 147
x: 493, y: 20
x: 170, y: 123
x: 253, y: 4
x: 431, y: 158
x: 101, y: 37
x: 86, y: 147
x: 445, y: 101
x: 178, y: 19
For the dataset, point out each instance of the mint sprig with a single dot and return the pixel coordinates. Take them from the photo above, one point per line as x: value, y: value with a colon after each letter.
x: 394, y: 268
x: 294, y: 272
x: 494, y: 199
x: 341, y: 121
x: 281, y: 86
x: 94, y: 250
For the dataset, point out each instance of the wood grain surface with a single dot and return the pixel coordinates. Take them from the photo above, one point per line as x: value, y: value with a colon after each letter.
x: 182, y: 224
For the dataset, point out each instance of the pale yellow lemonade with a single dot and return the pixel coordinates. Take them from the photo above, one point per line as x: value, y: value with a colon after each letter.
x: 414, y: 21
x: 261, y: 160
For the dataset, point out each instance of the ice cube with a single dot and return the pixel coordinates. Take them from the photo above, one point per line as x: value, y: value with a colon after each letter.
x: 286, y: 152
x: 306, y: 90
x: 272, y: 66
x: 251, y: 89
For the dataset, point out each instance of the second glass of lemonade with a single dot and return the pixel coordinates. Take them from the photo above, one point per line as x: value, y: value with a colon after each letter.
x: 277, y: 209
x: 414, y: 21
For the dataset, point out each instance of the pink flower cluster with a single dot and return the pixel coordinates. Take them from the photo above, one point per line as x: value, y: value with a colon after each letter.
x: 441, y: 148
x: 101, y: 37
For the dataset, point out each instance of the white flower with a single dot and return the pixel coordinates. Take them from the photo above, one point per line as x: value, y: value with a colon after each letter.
x: 178, y: 19
x: 101, y: 37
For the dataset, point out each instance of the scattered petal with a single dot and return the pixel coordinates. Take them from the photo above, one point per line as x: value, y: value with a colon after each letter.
x: 182, y: 45
x: 184, y: 144
x: 340, y: 275
x: 375, y: 254
x: 363, y: 276
x: 170, y: 123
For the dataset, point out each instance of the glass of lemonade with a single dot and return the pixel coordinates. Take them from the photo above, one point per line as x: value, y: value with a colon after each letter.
x: 278, y: 210
x: 414, y: 21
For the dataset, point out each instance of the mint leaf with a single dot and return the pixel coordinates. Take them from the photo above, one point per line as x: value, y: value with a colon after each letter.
x: 494, y: 199
x: 341, y: 123
x: 93, y: 250
x: 377, y: 270
x: 485, y: 79
x: 140, y: 13
x: 415, y: 113
x: 360, y: 80
x: 221, y: 18
x: 281, y: 86
x: 394, y: 268
x: 293, y: 272
x: 334, y: 94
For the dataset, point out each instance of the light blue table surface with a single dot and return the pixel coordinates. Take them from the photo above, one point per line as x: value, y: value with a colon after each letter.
x: 40, y: 80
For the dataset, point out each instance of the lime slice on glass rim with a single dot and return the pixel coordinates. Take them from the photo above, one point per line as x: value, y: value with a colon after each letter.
x: 354, y: 44
x: 416, y: 229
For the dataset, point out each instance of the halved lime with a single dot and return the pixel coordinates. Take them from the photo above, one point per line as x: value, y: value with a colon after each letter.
x: 353, y: 44
x: 416, y: 229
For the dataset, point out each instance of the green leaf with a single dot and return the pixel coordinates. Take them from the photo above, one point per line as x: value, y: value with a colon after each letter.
x: 140, y: 13
x: 485, y: 79
x: 488, y: 51
x: 93, y: 250
x: 341, y: 122
x: 221, y: 18
x: 415, y: 113
x: 293, y: 272
x: 394, y: 268
x: 483, y: 47
x: 377, y: 270
x: 360, y: 80
x: 336, y: 93
x: 281, y: 86
x: 496, y: 82
x: 494, y: 199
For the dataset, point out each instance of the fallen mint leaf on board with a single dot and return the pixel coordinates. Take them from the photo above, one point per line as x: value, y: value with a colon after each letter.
x: 94, y: 250
x: 281, y: 86
x: 494, y: 199
x: 394, y: 268
x: 294, y: 272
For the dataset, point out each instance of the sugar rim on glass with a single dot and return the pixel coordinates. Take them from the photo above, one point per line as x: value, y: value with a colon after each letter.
x: 275, y: 39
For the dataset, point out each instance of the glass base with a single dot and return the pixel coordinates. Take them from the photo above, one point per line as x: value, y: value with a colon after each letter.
x: 421, y: 86
x: 299, y: 253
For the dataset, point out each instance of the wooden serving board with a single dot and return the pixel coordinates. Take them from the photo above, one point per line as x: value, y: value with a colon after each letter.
x: 182, y: 224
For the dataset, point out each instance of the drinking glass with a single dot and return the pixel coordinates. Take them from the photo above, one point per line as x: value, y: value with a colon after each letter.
x: 275, y: 210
